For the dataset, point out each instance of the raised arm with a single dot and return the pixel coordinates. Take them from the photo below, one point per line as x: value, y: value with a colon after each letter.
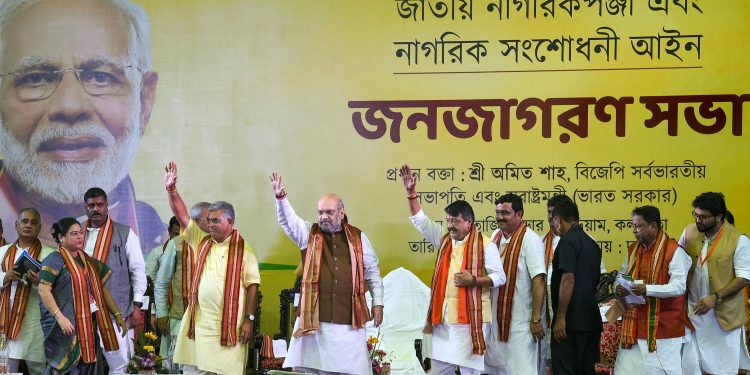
x: 178, y: 207
x: 294, y: 227
x: 410, y: 184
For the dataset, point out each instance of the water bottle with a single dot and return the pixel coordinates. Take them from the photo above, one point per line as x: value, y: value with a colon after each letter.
x: 4, y: 353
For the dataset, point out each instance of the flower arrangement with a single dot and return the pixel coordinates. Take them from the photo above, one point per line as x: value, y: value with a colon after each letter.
x: 144, y: 357
x: 379, y: 359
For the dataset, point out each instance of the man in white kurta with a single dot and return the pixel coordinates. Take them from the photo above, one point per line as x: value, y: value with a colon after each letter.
x: 205, y: 352
x: 718, y: 351
x: 29, y: 345
x: 333, y: 347
x: 451, y: 341
x: 523, y: 353
x: 666, y: 359
x: 712, y: 349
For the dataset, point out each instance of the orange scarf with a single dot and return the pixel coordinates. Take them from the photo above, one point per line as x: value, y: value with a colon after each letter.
x: 232, y: 285
x: 11, y: 317
x: 469, y: 298
x: 549, y: 251
x: 629, y: 333
x: 188, y: 265
x: 309, y: 319
x: 103, y: 239
x: 84, y: 283
x: 510, y: 255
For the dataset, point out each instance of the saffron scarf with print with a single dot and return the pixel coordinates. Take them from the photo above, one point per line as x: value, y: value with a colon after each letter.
x: 188, y: 265
x: 85, y: 280
x: 232, y: 285
x: 11, y: 317
x: 309, y: 300
x: 549, y: 250
x: 103, y: 239
x: 469, y: 298
x: 510, y: 255
x: 629, y: 333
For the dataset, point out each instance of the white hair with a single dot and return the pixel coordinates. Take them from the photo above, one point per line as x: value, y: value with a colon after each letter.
x: 197, y: 209
x: 139, y: 48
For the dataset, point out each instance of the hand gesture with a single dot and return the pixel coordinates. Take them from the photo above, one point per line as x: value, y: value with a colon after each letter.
x: 163, y: 325
x: 11, y: 275
x: 246, y: 332
x: 32, y: 277
x: 409, y: 179
x: 170, y: 177
x: 377, y: 315
x: 463, y: 278
x: 65, y: 324
x: 121, y: 323
x: 537, y: 330
x: 705, y: 304
x: 277, y: 185
x: 559, y: 331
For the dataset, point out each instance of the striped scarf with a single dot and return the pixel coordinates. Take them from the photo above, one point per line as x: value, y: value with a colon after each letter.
x: 510, y: 255
x: 85, y: 280
x: 549, y: 251
x: 188, y: 265
x: 11, y: 317
x: 629, y: 333
x: 309, y: 300
x: 469, y: 298
x: 232, y: 285
x: 103, y: 239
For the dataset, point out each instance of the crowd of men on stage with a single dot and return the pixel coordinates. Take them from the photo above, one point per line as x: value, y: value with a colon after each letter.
x: 497, y: 302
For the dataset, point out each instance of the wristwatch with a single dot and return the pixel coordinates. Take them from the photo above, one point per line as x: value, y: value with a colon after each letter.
x: 138, y: 304
x: 718, y: 298
x: 250, y: 317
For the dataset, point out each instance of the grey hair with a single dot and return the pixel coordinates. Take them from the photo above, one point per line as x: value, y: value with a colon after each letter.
x: 198, y: 208
x: 224, y: 206
x: 139, y: 49
x: 28, y: 209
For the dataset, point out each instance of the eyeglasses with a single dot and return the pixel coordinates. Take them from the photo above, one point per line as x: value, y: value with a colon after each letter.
x: 327, y: 212
x: 702, y: 217
x: 97, y: 79
x: 213, y: 221
x: 74, y: 234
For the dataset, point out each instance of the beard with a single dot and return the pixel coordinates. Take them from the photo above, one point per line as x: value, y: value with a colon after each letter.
x: 329, y: 227
x: 66, y: 182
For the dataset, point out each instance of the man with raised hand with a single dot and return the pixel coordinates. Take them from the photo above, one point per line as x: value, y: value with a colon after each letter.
x: 339, y: 265
x: 468, y: 266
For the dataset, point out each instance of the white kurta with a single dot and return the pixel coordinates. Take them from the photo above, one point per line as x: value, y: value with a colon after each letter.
x: 450, y: 341
x: 29, y: 345
x: 520, y: 355
x: 667, y: 358
x: 714, y: 350
x: 333, y: 347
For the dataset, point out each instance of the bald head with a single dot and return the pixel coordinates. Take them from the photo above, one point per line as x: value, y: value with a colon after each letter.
x: 330, y: 213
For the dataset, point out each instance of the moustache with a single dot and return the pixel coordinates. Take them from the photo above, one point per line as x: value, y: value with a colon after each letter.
x: 91, y: 130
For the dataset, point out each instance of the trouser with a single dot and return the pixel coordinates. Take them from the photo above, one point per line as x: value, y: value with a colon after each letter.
x: 35, y: 368
x: 577, y: 354
x: 118, y: 359
x: 444, y: 368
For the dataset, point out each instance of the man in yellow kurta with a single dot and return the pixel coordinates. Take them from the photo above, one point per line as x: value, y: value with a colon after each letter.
x: 213, y: 336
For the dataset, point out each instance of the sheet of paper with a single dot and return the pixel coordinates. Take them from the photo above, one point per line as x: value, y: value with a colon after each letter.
x: 279, y: 348
x: 630, y: 298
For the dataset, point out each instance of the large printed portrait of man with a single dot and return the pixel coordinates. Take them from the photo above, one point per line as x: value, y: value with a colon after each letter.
x: 76, y: 94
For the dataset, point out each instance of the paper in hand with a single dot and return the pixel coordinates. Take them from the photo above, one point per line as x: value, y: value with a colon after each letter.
x: 630, y: 298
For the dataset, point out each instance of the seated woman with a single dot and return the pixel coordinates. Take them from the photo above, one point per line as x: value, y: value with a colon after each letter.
x: 75, y: 304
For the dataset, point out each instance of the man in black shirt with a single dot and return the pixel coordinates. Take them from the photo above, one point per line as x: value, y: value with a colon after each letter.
x: 577, y: 324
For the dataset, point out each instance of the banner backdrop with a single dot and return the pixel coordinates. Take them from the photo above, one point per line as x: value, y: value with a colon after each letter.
x: 617, y: 104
